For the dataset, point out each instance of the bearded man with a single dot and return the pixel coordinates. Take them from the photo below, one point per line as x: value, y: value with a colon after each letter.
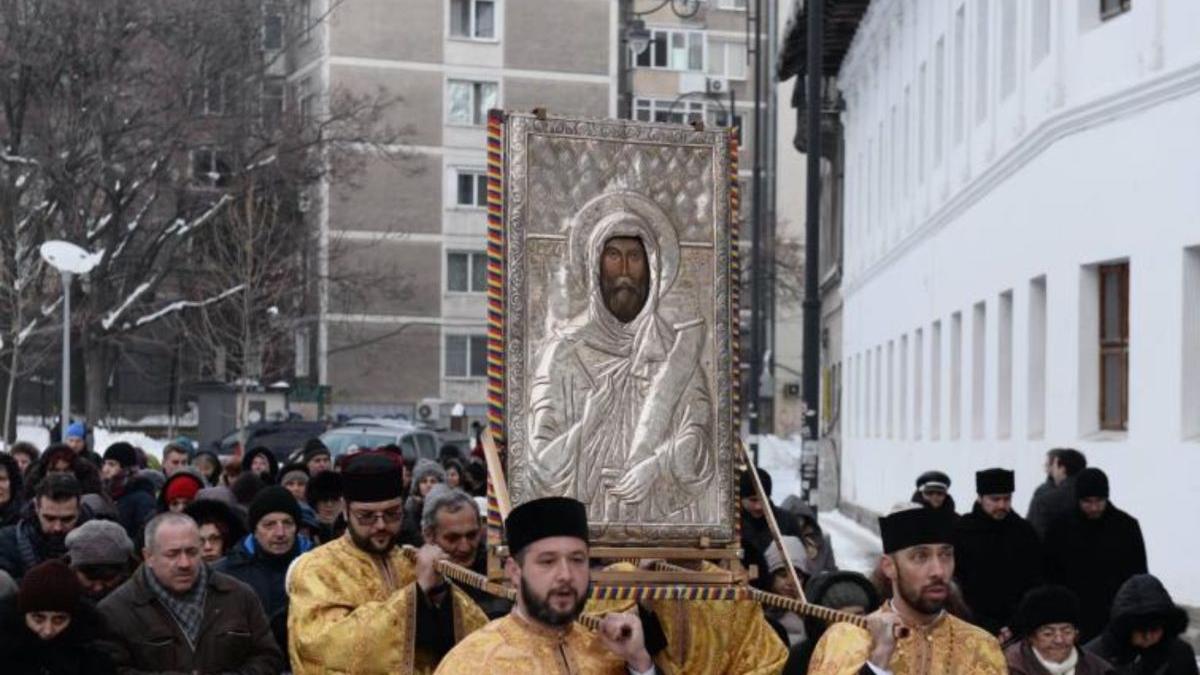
x: 621, y: 414
x: 358, y: 605
x: 548, y: 539
x: 919, y: 561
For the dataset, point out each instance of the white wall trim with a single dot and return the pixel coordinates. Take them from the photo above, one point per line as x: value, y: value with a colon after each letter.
x: 454, y: 70
x: 1100, y: 111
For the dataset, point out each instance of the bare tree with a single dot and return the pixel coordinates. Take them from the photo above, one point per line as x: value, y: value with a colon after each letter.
x: 157, y: 127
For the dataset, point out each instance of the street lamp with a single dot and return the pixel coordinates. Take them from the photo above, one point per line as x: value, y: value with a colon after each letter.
x: 69, y: 260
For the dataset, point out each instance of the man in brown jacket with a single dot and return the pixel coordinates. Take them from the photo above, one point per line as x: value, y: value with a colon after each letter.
x: 175, y: 615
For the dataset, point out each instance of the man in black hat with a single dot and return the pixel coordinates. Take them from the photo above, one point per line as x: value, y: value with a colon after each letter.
x: 1093, y: 550
x: 918, y: 560
x: 316, y: 457
x: 548, y: 565
x: 134, y: 496
x: 997, y: 555
x: 359, y: 604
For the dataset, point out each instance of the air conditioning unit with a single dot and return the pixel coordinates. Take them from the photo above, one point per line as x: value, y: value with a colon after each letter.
x: 429, y: 411
x: 716, y: 85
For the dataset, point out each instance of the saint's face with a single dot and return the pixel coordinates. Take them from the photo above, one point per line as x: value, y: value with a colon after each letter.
x: 624, y: 277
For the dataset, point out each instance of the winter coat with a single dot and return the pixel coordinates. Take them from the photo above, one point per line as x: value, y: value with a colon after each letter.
x: 806, y: 518
x: 995, y: 563
x: 22, y: 546
x: 265, y: 574
x: 143, y: 637
x: 1022, y: 661
x: 948, y: 505
x: 248, y: 460
x: 75, y: 651
x: 136, y: 504
x: 10, y: 511
x: 1093, y: 558
x: 1143, y: 598
x: 1050, y: 502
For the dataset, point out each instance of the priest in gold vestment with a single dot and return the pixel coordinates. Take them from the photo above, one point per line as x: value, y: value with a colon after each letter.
x: 358, y: 604
x: 919, y: 561
x: 548, y: 542
x: 723, y: 637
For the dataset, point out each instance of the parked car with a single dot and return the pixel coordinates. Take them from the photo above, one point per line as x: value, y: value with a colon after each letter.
x: 414, y: 443
x: 281, y: 438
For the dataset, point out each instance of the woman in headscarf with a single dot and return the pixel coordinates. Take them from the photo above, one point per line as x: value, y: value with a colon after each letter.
x: 47, y: 627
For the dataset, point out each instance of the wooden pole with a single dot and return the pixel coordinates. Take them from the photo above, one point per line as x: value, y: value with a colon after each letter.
x: 496, y: 473
x: 774, y: 526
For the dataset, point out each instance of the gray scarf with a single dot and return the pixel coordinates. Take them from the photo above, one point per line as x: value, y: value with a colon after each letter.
x: 186, y: 609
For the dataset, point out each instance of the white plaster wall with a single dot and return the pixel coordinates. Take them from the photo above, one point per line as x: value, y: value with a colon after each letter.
x: 1104, y: 166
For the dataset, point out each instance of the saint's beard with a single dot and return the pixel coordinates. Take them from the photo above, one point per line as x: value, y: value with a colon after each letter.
x: 539, y: 608
x: 624, y: 298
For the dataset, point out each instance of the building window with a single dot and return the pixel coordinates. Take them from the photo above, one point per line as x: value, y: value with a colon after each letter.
x: 981, y: 61
x: 466, y: 356
x: 306, y: 19
x: 272, y: 27
x: 667, y: 111
x: 727, y: 59
x: 214, y: 96
x: 1111, y: 8
x: 1036, y: 359
x: 470, y: 188
x: 1041, y: 31
x: 673, y: 50
x: 1114, y: 346
x: 272, y: 102
x: 1008, y: 54
x: 731, y: 4
x: 470, y: 101
x: 939, y: 100
x: 210, y: 167
x: 473, y: 19
x: 960, y: 68
x: 466, y: 272
x: 304, y: 100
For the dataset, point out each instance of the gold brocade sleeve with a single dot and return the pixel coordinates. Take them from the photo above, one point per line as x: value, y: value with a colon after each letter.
x: 329, y: 632
x: 842, y: 650
x: 468, y: 617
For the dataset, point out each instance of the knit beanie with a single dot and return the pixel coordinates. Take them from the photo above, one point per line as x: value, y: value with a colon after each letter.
x: 76, y: 430
x: 99, y: 542
x: 122, y: 453
x: 49, y: 587
x: 273, y: 499
x: 746, y: 486
x: 847, y: 593
x: 322, y: 487
x: 293, y: 472
x: 795, y: 551
x: 1045, y: 605
x: 182, y: 485
x: 424, y: 468
x: 313, y: 447
x: 1091, y: 482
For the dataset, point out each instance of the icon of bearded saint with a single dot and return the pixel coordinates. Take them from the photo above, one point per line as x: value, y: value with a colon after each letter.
x: 620, y: 410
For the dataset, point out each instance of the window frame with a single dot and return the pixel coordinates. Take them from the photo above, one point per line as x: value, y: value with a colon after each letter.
x: 1114, y: 347
x: 480, y: 182
x: 473, y: 288
x: 725, y: 44
x: 273, y: 10
x: 733, y: 5
x: 652, y: 48
x: 497, y: 12
x: 683, y: 108
x: 470, y: 338
x: 475, y: 93
x: 214, y: 155
x: 1110, y: 9
x: 264, y: 98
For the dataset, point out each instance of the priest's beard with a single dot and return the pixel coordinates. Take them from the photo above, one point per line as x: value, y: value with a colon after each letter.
x: 540, y: 609
x: 367, y: 543
x: 917, y: 598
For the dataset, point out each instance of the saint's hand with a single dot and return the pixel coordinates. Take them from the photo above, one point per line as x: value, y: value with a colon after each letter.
x: 622, y: 635
x: 636, y: 483
x: 883, y: 627
x: 427, y: 574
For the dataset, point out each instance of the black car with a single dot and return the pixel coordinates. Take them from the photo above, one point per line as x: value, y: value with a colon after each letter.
x: 281, y: 438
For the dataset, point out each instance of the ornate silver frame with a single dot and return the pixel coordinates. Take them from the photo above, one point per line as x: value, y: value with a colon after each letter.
x: 664, y: 160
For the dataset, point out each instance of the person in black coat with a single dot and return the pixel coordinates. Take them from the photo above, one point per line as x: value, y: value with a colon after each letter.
x: 42, y: 531
x: 997, y: 554
x: 756, y: 534
x: 261, y: 559
x: 47, y: 627
x: 1142, y: 637
x: 933, y: 491
x: 12, y: 485
x: 134, y: 496
x: 1093, y: 550
x: 1055, y: 498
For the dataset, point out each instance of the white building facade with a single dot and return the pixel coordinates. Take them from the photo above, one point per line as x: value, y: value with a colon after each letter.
x: 1022, y: 257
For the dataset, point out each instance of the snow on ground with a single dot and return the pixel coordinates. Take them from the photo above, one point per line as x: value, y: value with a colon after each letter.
x: 101, y: 439
x: 855, y: 547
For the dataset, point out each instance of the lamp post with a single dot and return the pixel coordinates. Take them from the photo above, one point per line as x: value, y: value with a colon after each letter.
x: 69, y: 260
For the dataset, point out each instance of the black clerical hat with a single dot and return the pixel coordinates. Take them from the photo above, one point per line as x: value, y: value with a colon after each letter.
x: 994, y: 482
x: 915, y: 526
x: 372, y: 477
x: 545, y: 517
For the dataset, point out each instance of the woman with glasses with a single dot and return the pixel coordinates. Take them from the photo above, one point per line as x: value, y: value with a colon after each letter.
x: 1045, y: 630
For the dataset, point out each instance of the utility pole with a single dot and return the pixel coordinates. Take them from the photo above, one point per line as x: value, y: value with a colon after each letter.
x: 812, y: 238
x: 757, y: 257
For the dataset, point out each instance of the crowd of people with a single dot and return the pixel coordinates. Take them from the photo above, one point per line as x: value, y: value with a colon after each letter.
x: 119, y: 562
